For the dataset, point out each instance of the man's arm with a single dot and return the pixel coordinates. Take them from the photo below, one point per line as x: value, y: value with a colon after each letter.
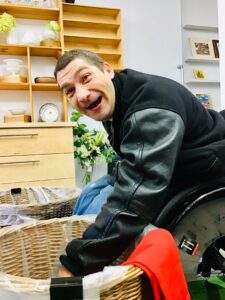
x: 151, y: 142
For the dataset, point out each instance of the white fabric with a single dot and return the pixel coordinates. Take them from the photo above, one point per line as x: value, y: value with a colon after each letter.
x: 96, y: 283
x: 10, y: 289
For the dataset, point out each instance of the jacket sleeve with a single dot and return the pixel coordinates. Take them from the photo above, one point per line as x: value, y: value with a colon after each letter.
x: 151, y: 142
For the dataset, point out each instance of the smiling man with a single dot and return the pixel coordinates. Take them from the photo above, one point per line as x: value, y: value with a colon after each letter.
x: 166, y: 140
x: 89, y: 88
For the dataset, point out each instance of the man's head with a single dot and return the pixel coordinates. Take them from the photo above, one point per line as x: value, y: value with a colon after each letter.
x: 86, y: 80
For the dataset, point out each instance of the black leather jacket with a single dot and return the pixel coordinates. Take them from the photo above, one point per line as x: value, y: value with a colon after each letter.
x: 160, y: 132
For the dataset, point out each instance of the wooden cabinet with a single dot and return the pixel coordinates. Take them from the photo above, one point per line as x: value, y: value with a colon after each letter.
x: 36, y: 154
x: 94, y: 28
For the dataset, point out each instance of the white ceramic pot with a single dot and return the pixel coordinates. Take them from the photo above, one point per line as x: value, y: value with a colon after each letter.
x: 12, y: 37
x: 30, y: 38
x: 49, y: 34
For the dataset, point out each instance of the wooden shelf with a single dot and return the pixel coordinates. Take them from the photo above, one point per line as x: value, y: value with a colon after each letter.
x: 97, y: 29
x: 45, y: 87
x: 91, y: 29
x: 14, y: 86
x: 30, y: 12
x: 99, y: 22
x: 13, y: 50
x: 92, y: 40
x: 45, y: 51
x: 91, y: 14
x: 34, y: 50
x: 200, y: 27
x: 201, y: 60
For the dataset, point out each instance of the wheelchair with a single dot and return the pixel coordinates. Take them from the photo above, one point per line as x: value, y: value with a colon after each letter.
x: 196, y: 218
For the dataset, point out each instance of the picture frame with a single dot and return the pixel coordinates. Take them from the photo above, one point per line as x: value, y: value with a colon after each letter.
x: 204, y: 99
x: 216, y: 48
x: 199, y: 74
x: 201, y: 47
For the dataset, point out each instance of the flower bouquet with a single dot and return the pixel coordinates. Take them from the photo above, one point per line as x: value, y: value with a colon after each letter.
x: 90, y: 145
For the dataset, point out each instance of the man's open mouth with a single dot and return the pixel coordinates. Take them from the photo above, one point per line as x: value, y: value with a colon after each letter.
x: 95, y: 104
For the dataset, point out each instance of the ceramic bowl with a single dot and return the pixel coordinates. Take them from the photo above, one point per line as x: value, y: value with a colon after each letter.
x: 17, y: 111
x: 12, y: 61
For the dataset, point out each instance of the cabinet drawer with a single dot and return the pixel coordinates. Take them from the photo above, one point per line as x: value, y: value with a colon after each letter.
x: 35, y: 141
x: 36, y: 168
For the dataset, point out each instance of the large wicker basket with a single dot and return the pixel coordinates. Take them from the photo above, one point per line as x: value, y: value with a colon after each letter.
x: 17, y: 205
x: 29, y: 258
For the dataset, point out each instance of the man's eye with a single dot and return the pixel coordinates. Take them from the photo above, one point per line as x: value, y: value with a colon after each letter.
x: 85, y: 77
x: 70, y: 92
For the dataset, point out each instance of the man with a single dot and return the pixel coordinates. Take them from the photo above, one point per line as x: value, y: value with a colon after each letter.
x: 166, y: 140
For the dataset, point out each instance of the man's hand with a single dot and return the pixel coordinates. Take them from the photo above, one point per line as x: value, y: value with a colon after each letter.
x: 63, y: 272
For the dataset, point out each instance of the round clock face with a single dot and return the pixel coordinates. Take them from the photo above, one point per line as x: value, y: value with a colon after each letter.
x: 49, y: 112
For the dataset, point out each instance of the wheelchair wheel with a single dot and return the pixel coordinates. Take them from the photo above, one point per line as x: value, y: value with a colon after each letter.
x: 197, y: 221
x: 202, y: 227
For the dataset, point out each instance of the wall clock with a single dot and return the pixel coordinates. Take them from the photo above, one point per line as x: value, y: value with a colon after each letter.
x: 49, y: 112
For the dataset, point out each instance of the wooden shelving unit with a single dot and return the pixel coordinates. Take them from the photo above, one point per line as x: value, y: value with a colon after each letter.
x: 94, y: 28
x: 28, y: 52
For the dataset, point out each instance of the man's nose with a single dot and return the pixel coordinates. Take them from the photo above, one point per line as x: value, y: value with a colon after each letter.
x: 82, y: 94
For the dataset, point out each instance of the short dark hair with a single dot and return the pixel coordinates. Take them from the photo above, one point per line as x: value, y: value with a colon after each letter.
x: 69, y: 56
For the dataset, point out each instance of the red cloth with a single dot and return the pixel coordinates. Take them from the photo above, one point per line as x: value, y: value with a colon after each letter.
x: 158, y: 256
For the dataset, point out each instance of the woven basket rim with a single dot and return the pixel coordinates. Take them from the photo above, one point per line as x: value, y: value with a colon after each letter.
x: 28, y: 284
x: 35, y: 223
x: 75, y: 195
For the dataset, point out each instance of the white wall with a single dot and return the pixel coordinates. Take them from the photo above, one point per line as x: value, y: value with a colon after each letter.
x: 200, y: 12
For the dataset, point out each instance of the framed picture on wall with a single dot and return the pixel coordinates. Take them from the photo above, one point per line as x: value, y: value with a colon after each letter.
x: 199, y: 74
x: 202, y: 47
x: 204, y: 99
x: 216, y: 48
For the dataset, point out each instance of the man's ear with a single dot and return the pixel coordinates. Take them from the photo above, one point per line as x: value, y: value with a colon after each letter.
x: 108, y: 69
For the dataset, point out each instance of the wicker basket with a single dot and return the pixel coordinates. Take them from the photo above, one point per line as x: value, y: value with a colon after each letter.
x: 17, y: 205
x: 32, y: 251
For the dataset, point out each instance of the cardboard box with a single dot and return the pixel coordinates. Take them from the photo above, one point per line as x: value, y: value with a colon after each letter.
x: 17, y: 118
x: 13, y: 79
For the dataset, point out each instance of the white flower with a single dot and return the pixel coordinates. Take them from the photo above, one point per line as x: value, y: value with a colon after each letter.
x: 84, y: 152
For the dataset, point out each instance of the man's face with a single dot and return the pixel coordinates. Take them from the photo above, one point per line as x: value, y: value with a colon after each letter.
x: 89, y: 90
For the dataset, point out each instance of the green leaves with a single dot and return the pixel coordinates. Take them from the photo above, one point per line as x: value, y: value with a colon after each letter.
x: 89, y: 145
x: 7, y: 22
x: 54, y: 26
x: 75, y: 116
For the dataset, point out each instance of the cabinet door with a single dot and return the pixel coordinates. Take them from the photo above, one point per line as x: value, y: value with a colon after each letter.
x: 36, y: 168
x: 35, y: 141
